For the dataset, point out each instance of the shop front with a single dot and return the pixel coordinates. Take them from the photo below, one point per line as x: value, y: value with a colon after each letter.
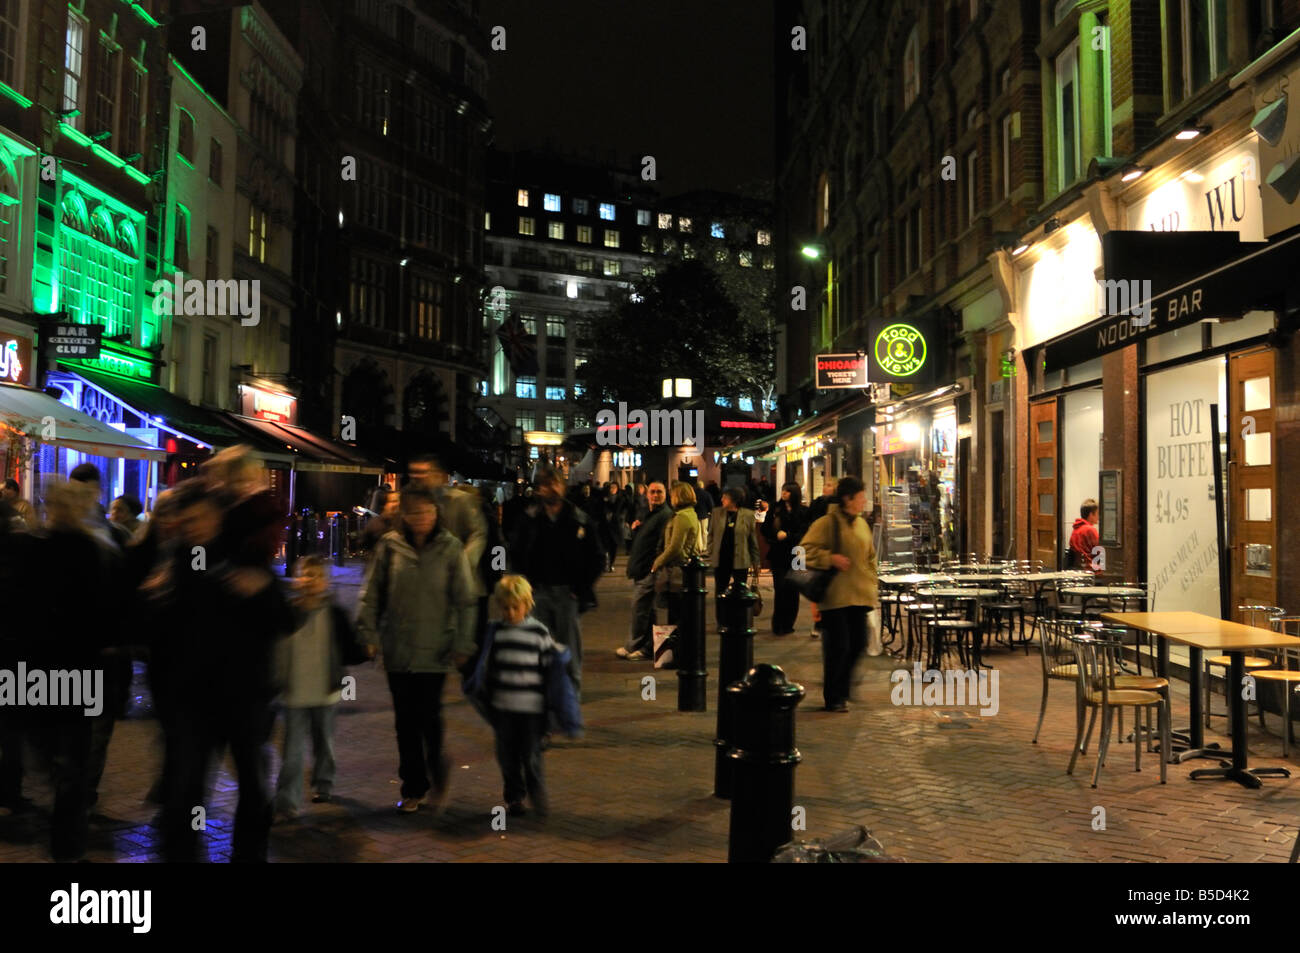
x: 1125, y: 408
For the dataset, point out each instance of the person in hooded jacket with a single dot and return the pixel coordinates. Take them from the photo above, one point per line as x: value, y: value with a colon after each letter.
x: 418, y: 603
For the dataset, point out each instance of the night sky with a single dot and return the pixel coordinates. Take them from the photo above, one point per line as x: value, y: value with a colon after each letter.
x: 687, y: 81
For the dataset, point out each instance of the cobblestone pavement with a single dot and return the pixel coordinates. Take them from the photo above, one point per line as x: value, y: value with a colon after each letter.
x: 932, y: 784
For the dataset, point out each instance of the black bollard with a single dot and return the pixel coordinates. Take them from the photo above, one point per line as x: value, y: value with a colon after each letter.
x: 735, y: 657
x: 692, y: 670
x: 337, y: 538
x: 765, y: 757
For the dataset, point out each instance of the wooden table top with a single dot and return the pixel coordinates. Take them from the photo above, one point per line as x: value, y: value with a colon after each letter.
x: 959, y: 593
x: 1202, y: 631
x: 1104, y: 591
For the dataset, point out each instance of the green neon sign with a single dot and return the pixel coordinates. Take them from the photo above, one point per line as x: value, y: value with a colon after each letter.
x: 900, y: 350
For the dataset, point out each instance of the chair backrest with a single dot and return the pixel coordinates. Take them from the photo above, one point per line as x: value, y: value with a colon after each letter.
x: 1055, y: 643
x: 1097, y: 661
x: 1287, y: 625
x: 1254, y: 611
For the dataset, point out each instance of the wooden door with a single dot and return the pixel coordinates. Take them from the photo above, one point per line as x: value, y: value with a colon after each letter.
x: 1044, y: 545
x: 1252, y: 480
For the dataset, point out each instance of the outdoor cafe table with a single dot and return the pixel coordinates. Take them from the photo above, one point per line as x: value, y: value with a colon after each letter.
x: 1200, y: 632
x: 957, y: 592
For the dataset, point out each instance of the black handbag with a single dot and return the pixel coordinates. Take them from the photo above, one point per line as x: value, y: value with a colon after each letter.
x: 813, y: 583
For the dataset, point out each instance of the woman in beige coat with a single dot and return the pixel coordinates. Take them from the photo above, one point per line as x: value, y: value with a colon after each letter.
x: 852, y: 592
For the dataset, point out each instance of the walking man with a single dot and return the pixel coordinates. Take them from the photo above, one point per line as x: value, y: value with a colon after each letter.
x: 647, y: 543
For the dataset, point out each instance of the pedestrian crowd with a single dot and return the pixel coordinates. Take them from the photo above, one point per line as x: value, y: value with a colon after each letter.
x: 455, y: 585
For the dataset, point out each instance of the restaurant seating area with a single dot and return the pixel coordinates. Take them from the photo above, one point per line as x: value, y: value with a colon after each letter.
x: 1104, y: 646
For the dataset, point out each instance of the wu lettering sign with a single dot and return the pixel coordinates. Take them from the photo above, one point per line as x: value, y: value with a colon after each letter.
x: 74, y: 340
x: 841, y: 371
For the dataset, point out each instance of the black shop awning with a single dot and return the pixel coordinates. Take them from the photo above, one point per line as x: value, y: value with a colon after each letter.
x: 1192, y: 276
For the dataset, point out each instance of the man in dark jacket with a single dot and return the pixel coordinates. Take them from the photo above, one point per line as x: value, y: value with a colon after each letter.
x: 557, y: 549
x: 647, y: 543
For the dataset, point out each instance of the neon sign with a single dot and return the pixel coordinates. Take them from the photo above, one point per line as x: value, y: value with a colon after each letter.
x: 11, y: 366
x: 900, y: 350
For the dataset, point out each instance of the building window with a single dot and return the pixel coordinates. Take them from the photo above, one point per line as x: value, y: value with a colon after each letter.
x: 580, y: 207
x: 1067, y: 116
x: 721, y: 256
x: 746, y: 259
x: 911, y: 68
x: 368, y: 292
x: 684, y: 225
x: 768, y: 262
x: 185, y: 137
x: 746, y: 404
x: 607, y: 211
x: 1006, y: 156
x: 647, y: 244
x: 584, y: 234
x: 611, y: 268
x: 526, y: 421
x: 74, y: 67
x: 555, y: 230
x: 643, y: 217
x: 665, y: 220
x: 98, y: 270
x: 209, y: 395
x: 716, y: 230
x: 106, y: 88
x: 132, y: 113
x: 551, y: 202
x: 555, y: 422
x: 256, y: 233
x: 611, y: 238
x: 526, y: 387
x: 487, y: 221
x: 586, y: 263
x: 214, y: 162
x: 10, y: 11
x: 823, y: 210
x: 571, y: 289
x: 764, y: 237
x: 555, y: 393
x: 529, y: 323
x: 972, y: 185
x: 554, y: 326
x: 181, y: 239
x: 212, y: 264
x: 1204, y: 42
x: 648, y: 270
x: 522, y: 198
x: 670, y: 245
x: 526, y: 225
x: 687, y: 251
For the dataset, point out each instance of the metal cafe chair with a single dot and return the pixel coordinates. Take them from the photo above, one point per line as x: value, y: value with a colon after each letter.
x: 1252, y: 662
x: 1288, y: 676
x: 1097, y: 690
x: 1124, y: 678
x: 945, y: 627
x: 1058, y: 665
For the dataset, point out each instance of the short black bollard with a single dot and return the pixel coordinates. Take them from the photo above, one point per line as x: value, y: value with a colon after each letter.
x: 735, y: 657
x: 765, y: 757
x: 692, y: 669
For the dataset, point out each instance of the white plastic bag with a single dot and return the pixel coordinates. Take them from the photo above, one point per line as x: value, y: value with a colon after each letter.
x: 663, y: 644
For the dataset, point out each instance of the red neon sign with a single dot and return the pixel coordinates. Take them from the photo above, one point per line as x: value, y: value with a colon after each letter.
x: 748, y: 425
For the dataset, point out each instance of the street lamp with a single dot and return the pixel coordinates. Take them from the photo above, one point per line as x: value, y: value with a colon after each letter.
x: 813, y: 250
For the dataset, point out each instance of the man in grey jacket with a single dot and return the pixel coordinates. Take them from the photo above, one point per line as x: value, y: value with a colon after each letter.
x: 647, y: 543
x: 418, y: 603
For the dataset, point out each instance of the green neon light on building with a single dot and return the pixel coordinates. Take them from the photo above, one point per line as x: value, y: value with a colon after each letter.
x: 76, y: 135
x: 136, y: 174
x: 19, y: 98
x: 107, y: 156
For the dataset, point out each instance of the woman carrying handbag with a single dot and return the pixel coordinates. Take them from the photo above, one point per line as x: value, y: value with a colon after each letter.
x: 841, y: 541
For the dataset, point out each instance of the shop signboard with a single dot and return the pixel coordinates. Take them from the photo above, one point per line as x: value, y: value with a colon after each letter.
x: 267, y: 405
x: 904, y: 350
x: 841, y: 371
x: 74, y: 340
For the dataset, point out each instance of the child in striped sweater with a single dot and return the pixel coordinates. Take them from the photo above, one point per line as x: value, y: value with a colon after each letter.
x: 516, y: 681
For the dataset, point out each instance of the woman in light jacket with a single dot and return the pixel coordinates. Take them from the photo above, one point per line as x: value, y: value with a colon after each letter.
x: 852, y: 592
x: 419, y: 601
x: 681, y: 542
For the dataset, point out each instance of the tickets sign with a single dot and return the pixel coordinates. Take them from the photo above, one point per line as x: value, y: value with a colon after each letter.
x: 840, y: 371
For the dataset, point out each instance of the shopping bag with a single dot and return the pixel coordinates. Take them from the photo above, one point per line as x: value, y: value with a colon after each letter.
x: 664, y: 640
x: 874, y: 644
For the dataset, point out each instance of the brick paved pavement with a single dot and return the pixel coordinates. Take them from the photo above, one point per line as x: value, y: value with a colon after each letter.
x: 638, y: 786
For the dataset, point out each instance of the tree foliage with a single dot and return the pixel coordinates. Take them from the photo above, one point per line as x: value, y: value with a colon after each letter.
x: 688, y: 320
